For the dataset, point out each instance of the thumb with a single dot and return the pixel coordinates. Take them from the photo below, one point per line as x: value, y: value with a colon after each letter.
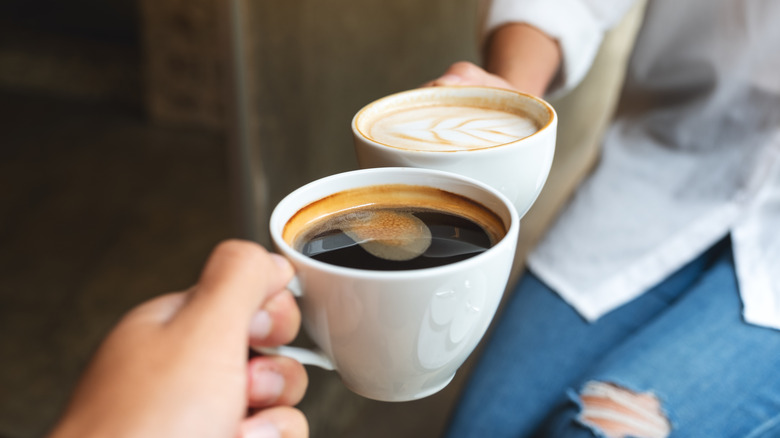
x: 239, y: 276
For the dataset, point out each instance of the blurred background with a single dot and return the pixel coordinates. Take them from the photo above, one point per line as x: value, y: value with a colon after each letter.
x: 136, y: 134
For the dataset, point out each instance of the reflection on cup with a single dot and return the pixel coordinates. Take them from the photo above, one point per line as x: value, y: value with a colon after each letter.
x: 454, y: 311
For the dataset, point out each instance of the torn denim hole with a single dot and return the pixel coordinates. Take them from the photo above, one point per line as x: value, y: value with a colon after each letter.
x: 612, y: 411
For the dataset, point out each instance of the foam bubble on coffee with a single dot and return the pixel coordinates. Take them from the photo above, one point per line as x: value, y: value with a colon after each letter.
x: 390, y: 235
x: 450, y: 127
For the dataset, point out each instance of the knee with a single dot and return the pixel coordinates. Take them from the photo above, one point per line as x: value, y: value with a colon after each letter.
x: 616, y: 412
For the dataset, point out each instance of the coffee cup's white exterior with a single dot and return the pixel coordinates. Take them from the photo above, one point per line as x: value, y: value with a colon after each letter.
x: 399, y: 335
x: 518, y: 169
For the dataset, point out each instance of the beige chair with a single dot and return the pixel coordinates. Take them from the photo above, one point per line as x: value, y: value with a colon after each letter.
x: 584, y: 114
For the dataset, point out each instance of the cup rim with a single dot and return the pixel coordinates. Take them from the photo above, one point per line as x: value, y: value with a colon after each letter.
x: 276, y: 225
x: 551, y: 116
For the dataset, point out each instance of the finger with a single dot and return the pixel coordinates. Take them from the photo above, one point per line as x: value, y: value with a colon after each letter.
x: 463, y: 72
x: 467, y: 73
x: 277, y: 323
x: 238, y: 277
x: 280, y: 422
x: 445, y: 80
x: 274, y: 381
x: 157, y: 310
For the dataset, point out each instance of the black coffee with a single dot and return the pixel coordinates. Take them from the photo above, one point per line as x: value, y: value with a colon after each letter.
x: 368, y: 239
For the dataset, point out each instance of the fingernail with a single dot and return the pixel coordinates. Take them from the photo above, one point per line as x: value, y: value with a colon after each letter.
x: 263, y: 429
x: 267, y: 386
x: 260, y: 325
x: 449, y: 79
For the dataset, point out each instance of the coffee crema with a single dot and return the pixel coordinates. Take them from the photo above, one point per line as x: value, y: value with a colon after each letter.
x: 448, y: 127
x: 393, y: 227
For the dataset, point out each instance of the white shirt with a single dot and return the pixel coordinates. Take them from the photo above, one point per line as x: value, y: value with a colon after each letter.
x: 692, y: 154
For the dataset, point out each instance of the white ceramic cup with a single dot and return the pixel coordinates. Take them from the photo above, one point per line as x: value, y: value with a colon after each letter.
x: 396, y: 335
x: 518, y: 167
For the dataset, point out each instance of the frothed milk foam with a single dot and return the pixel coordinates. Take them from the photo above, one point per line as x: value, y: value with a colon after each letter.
x: 449, y: 127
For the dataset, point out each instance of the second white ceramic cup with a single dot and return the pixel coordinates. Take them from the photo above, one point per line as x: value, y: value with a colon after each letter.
x: 518, y: 168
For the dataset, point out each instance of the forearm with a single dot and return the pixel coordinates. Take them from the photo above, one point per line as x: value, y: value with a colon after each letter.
x: 524, y: 56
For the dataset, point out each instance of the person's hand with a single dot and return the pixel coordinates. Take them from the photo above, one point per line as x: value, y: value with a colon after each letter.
x: 466, y: 73
x: 176, y: 366
x: 517, y: 56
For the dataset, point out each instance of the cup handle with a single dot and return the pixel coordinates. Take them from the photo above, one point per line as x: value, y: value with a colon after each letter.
x: 294, y: 286
x: 303, y: 355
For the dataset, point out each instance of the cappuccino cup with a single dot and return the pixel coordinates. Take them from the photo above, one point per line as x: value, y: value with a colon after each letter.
x: 397, y: 329
x: 501, y: 137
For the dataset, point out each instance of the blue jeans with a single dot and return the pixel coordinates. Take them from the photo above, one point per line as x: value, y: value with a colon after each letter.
x: 684, y: 341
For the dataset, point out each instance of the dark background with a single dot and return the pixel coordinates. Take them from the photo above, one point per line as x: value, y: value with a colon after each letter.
x: 118, y: 139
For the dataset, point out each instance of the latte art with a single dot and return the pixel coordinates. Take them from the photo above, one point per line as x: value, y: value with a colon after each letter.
x: 450, y: 128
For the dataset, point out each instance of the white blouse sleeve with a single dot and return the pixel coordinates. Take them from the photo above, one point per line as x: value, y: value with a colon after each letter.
x: 577, y: 25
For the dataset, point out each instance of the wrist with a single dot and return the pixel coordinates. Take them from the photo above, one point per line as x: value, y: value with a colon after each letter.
x: 524, y: 56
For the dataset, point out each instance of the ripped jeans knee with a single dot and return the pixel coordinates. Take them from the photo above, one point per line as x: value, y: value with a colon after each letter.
x: 612, y: 411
